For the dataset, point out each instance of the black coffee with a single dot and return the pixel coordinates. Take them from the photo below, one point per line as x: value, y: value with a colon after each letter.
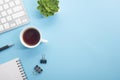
x: 31, y: 36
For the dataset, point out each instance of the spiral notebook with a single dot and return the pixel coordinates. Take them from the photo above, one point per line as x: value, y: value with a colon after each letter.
x: 12, y: 70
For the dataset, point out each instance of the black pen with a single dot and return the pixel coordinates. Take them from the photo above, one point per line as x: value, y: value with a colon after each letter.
x: 5, y: 47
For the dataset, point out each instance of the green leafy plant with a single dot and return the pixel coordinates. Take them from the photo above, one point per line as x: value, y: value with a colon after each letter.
x: 48, y: 7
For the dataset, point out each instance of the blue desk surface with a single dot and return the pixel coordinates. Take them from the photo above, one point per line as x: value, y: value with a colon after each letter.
x: 84, y: 41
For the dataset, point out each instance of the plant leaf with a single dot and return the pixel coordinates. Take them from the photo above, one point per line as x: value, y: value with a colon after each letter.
x: 48, y: 7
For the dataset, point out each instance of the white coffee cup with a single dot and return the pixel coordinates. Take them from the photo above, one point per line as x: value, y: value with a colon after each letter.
x: 31, y: 37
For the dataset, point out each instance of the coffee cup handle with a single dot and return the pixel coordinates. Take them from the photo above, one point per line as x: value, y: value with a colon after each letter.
x: 44, y: 40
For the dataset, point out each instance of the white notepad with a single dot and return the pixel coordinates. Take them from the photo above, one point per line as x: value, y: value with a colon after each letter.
x: 12, y: 70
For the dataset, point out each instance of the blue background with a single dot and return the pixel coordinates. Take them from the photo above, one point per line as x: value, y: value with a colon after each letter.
x: 84, y: 41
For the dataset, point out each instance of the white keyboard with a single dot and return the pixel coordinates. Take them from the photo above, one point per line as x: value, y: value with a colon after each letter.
x: 12, y: 15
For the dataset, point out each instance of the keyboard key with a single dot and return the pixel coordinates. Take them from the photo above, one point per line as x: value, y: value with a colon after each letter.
x: 11, y: 4
x: 3, y: 20
x: 9, y: 11
x: 24, y: 20
x: 0, y: 16
x: 16, y: 15
x: 1, y: 1
x: 6, y: 25
x: 6, y: 6
x: 7, y: 0
x: 1, y: 8
x: 18, y: 8
x: 9, y: 18
x: 12, y: 25
x: 3, y: 13
x: 18, y: 21
x: 1, y: 28
x: 17, y: 2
